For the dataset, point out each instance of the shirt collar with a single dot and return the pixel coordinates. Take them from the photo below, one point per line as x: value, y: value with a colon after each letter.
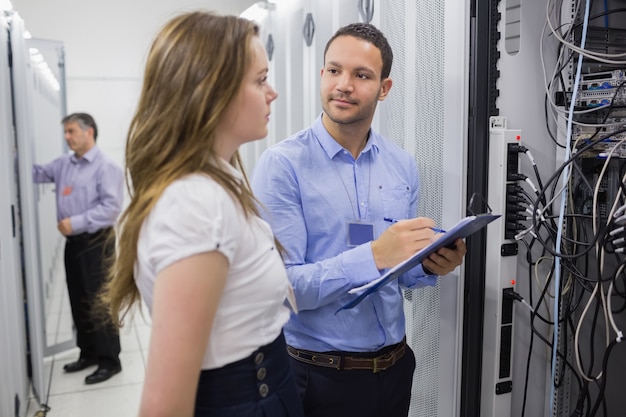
x: 332, y: 147
x: 230, y: 169
x: 89, y: 156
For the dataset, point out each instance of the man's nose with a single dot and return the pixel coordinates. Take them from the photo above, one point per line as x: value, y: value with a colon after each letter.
x: 344, y: 83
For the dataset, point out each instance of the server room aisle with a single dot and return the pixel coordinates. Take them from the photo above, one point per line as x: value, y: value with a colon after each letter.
x: 69, y: 396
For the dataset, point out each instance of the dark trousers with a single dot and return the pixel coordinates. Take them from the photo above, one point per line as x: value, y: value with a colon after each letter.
x: 85, y: 271
x: 260, y: 385
x: 328, y: 392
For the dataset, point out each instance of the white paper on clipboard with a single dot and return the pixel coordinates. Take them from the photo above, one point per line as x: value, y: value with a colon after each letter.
x: 464, y: 228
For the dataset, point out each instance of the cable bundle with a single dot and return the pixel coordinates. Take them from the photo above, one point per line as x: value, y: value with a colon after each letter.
x: 573, y: 226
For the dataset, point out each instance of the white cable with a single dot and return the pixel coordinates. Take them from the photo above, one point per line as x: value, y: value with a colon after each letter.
x: 608, y: 296
x: 549, y: 204
x: 540, y: 285
x: 582, y: 51
x: 577, y: 333
x: 555, y: 111
x: 605, y: 166
x: 605, y: 299
x: 600, y: 254
x: 619, y: 211
x: 620, y: 219
x: 523, y: 233
x: 529, y: 182
x: 528, y: 305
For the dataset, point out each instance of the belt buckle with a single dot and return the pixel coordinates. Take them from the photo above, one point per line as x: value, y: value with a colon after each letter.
x: 376, y: 368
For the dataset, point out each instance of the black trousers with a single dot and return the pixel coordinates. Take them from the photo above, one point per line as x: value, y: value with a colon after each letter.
x: 85, y: 271
x: 327, y: 392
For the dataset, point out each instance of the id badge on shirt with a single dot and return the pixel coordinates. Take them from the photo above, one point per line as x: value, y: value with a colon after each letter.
x: 360, y: 233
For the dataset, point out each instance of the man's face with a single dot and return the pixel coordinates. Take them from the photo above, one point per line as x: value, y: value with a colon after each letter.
x: 78, y: 140
x: 351, y: 83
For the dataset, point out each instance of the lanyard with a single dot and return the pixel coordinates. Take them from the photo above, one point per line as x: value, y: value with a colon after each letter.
x: 367, y: 186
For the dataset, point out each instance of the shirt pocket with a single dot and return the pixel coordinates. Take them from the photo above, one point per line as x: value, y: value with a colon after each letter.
x: 396, y: 202
x: 82, y: 198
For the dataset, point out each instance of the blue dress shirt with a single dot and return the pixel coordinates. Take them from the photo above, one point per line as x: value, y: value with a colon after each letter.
x: 310, y: 189
x: 89, y: 190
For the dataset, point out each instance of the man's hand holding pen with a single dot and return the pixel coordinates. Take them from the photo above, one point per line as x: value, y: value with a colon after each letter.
x: 406, y: 237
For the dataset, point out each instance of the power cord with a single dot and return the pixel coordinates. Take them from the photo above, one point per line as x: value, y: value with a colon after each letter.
x: 512, y: 294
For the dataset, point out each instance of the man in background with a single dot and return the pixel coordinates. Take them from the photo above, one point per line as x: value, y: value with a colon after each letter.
x: 89, y: 196
x: 342, y: 200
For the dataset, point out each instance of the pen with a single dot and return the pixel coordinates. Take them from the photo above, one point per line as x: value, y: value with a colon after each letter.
x: 434, y: 229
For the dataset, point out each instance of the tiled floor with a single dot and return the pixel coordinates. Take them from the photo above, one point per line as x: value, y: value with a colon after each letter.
x: 119, y: 396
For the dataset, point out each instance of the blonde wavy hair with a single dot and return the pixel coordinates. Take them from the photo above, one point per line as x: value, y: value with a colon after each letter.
x: 194, y: 70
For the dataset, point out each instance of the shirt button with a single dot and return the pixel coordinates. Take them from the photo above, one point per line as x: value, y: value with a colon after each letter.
x: 264, y: 390
x: 261, y: 373
x: 259, y: 358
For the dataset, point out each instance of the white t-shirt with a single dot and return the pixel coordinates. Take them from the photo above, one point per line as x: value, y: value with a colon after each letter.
x: 196, y: 215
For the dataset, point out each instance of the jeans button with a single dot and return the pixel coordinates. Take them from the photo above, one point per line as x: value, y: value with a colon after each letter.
x: 261, y: 373
x: 259, y: 358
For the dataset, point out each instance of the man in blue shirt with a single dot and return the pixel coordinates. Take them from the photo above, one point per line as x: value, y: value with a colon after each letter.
x: 89, y: 196
x: 342, y: 199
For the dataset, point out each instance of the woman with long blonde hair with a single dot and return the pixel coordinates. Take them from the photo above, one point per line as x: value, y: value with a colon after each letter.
x: 191, y: 244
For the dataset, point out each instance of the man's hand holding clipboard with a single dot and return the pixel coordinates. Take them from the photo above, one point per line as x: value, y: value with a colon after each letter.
x: 461, y: 230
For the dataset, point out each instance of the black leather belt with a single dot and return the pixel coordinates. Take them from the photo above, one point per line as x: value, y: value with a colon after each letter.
x: 346, y: 363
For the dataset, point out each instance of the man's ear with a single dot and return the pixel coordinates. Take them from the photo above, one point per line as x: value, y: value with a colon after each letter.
x: 384, y: 88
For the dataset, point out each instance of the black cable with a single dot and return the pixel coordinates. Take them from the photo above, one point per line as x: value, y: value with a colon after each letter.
x: 535, y: 331
x: 556, y: 175
x: 604, y: 377
x: 577, y: 252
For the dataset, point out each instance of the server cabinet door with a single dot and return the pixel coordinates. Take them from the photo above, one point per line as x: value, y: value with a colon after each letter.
x: 39, y: 103
x: 13, y: 375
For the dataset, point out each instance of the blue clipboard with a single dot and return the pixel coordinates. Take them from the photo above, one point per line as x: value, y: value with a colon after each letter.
x: 467, y: 226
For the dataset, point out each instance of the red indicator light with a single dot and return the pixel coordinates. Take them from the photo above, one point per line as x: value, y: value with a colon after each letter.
x: 512, y: 282
x: 518, y: 137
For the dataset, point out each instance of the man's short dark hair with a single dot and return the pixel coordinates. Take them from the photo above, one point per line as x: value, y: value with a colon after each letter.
x: 85, y: 121
x: 371, y: 34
